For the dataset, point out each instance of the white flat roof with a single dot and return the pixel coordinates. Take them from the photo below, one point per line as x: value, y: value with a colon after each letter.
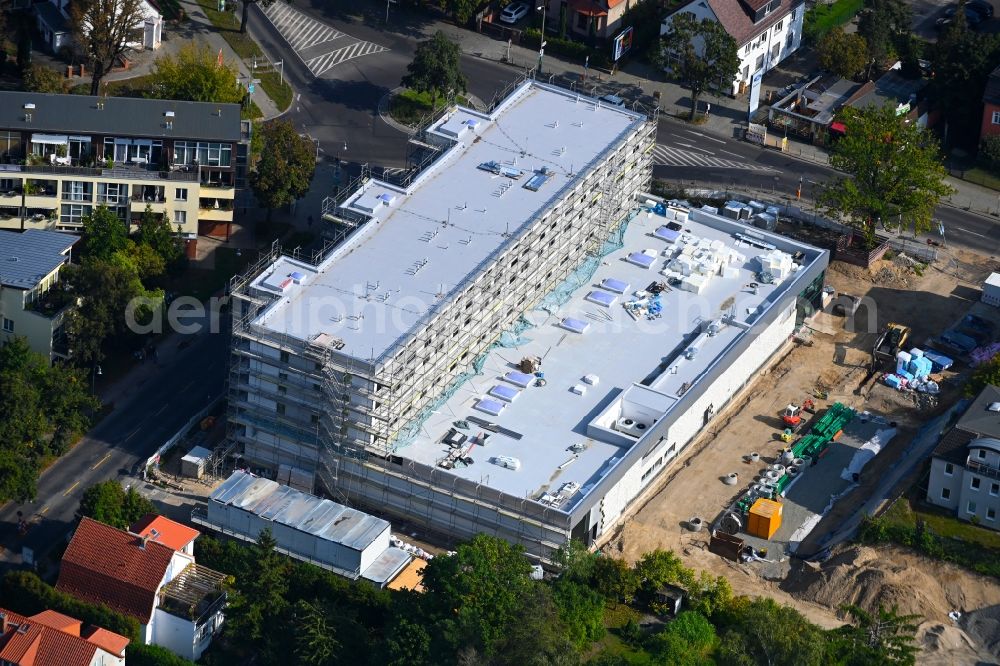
x: 374, y: 289
x: 619, y: 350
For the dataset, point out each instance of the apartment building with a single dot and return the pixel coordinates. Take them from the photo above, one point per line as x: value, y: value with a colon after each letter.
x: 392, y: 370
x: 53, y: 639
x: 32, y: 305
x: 965, y: 465
x: 766, y: 31
x: 63, y: 155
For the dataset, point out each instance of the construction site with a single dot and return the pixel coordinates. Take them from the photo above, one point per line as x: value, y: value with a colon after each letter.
x: 523, y: 259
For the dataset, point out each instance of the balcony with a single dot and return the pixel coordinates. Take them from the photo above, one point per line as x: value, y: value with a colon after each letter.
x: 980, y: 468
x: 53, y: 302
x: 196, y: 594
x: 117, y: 172
x: 216, y: 210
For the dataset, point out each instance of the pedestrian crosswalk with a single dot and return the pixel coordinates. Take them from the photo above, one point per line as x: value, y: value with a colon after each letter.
x: 671, y: 156
x: 321, y: 64
x: 318, y: 45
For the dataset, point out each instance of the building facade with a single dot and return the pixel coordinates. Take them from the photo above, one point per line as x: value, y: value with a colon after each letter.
x: 53, y: 20
x: 991, y: 106
x: 53, y: 639
x: 965, y: 466
x: 352, y: 372
x: 32, y: 305
x: 766, y: 31
x: 63, y: 155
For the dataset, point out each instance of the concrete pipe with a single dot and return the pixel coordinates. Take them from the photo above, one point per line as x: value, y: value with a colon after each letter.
x: 695, y: 524
x: 730, y: 523
x: 807, y: 461
x: 799, y: 462
x: 792, y: 470
x: 730, y: 479
x: 772, y: 475
x: 755, y: 457
x: 787, y: 456
x: 776, y: 467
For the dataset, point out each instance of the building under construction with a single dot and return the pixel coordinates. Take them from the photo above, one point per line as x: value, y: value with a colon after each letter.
x: 482, y: 352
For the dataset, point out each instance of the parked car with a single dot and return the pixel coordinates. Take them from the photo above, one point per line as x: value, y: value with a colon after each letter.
x: 972, y: 17
x: 613, y: 100
x: 981, y: 7
x: 514, y: 12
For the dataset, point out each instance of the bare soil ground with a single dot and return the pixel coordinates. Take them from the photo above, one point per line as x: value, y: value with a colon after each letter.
x: 928, y: 299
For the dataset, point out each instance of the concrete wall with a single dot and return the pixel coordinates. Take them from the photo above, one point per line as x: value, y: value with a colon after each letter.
x: 940, y: 481
x: 37, y: 328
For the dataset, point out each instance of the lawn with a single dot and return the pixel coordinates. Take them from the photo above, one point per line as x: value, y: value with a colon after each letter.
x: 137, y: 86
x: 411, y: 107
x: 228, y: 25
x: 822, y: 18
x: 982, y: 177
x: 942, y: 523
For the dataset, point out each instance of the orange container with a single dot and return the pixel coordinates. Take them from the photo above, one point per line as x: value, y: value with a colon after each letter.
x: 764, y: 518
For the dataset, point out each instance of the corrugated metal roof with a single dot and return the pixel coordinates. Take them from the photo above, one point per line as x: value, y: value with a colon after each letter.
x: 119, y: 116
x: 385, y: 567
x: 307, y: 513
x: 26, y: 257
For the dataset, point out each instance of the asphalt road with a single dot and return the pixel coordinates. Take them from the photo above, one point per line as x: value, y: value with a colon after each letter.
x: 338, y: 108
x: 698, y: 157
x: 138, y: 425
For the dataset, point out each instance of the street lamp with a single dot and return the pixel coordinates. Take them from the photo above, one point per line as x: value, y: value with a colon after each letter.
x: 541, y: 48
x: 93, y: 381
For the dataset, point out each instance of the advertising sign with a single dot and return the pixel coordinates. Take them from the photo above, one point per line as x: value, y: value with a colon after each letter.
x: 622, y: 44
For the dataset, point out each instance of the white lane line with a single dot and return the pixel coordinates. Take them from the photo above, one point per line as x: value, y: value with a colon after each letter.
x: 688, y: 145
x: 162, y: 409
x: 971, y: 232
x: 729, y: 152
x: 705, y: 136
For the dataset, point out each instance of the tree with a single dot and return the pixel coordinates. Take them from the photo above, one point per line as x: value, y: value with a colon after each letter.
x: 315, y: 640
x: 39, y: 78
x: 961, y: 61
x: 882, y: 637
x: 844, y: 55
x: 106, y: 30
x: 581, y: 610
x: 700, y: 54
x: 884, y: 25
x: 109, y: 503
x: 407, y: 643
x: 461, y: 10
x: 614, y: 579
x: 658, y: 568
x: 435, y: 68
x: 537, y: 636
x: 760, y: 631
x: 263, y: 4
x: 154, y: 655
x: 478, y: 591
x: 261, y: 594
x: 156, y: 232
x: 285, y: 168
x: 194, y: 74
x: 894, y: 171
x: 686, y: 641
x: 104, y: 234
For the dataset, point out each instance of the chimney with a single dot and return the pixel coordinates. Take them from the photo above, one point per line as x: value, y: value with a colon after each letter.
x: 142, y: 542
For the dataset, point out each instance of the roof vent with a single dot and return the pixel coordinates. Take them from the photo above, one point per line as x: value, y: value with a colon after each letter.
x: 23, y: 628
x: 29, y: 105
x: 168, y: 114
x: 17, y: 259
x: 994, y: 407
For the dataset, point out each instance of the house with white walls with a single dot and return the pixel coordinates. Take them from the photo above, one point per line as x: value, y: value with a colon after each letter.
x: 766, y: 31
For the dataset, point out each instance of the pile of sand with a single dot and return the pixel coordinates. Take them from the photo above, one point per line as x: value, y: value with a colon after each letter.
x: 892, y: 273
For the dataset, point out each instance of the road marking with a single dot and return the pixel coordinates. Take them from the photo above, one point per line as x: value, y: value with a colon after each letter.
x: 303, y: 32
x: 162, y: 409
x: 971, y: 232
x: 704, y: 136
x: 133, y: 433
x: 43, y: 511
x: 101, y: 461
x: 70, y: 489
x: 729, y: 152
x: 688, y: 145
x: 669, y: 156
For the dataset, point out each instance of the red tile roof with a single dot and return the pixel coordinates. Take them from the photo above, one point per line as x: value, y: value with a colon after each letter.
x: 109, y: 566
x: 735, y: 17
x: 165, y: 531
x: 51, y: 639
x: 108, y: 641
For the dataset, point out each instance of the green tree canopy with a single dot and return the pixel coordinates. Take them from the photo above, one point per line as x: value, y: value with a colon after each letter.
x: 688, y: 640
x: 880, y: 637
x: 104, y: 234
x: 42, y: 408
x: 477, y: 592
x: 436, y: 68
x: 261, y: 595
x: 884, y: 25
x: 699, y: 54
x: 194, y: 74
x: 39, y: 78
x: 614, y: 579
x: 153, y: 655
x: 285, y: 168
x: 893, y: 168
x: 109, y: 503
x: 843, y: 54
x: 105, y: 31
x: 962, y: 61
x: 761, y: 631
x: 156, y: 232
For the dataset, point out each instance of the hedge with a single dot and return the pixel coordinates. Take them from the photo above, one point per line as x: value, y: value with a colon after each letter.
x: 565, y: 47
x: 969, y: 555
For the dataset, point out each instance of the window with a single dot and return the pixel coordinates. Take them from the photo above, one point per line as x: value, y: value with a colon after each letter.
x: 791, y: 40
x: 974, y: 483
x: 180, y: 216
x: 945, y: 493
x: 77, y: 190
x: 746, y: 49
x: 279, y: 407
x: 112, y: 193
x: 74, y: 213
x: 971, y: 508
x: 283, y: 357
x: 777, y: 27
x: 760, y: 63
x: 981, y: 453
x: 8, y: 325
x: 181, y: 194
x: 581, y: 21
x: 995, y: 489
x: 991, y: 514
x: 996, y: 117
x: 949, y: 469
